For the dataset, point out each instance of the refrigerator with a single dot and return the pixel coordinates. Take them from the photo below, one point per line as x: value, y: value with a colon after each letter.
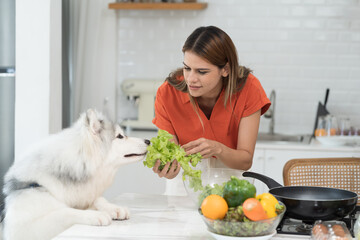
x: 7, y: 88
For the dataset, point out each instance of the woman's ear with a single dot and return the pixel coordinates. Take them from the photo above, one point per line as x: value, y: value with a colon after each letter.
x: 225, y: 70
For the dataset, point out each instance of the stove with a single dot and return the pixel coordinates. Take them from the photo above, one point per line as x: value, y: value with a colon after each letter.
x: 299, y: 227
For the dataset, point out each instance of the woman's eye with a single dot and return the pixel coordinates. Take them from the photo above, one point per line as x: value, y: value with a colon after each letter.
x: 120, y: 136
x: 202, y: 72
x: 186, y: 68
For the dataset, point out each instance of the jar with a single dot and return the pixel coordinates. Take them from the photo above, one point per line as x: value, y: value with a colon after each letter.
x: 320, y: 129
x: 344, y: 126
x: 331, y: 125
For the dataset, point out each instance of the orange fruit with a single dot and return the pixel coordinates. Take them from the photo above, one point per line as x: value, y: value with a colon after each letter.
x: 332, y: 131
x: 214, y: 207
x: 320, y: 132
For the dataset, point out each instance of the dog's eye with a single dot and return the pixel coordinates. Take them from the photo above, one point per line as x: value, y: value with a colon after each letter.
x: 120, y: 136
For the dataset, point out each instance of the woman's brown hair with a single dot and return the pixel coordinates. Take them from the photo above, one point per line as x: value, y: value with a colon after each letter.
x: 215, y: 46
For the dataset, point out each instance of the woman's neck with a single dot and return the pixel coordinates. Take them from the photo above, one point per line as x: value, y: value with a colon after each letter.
x: 207, y: 103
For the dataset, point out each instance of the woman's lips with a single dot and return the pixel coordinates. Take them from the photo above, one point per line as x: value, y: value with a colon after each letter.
x: 194, y: 87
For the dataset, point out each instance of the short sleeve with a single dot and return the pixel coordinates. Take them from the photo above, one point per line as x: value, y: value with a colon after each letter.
x: 161, y: 119
x: 256, y: 98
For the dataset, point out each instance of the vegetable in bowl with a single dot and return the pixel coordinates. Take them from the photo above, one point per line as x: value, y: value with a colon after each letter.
x: 236, y: 224
x: 236, y: 191
x: 248, y: 214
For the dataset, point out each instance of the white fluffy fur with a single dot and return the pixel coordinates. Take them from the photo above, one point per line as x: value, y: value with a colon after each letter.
x: 73, y: 169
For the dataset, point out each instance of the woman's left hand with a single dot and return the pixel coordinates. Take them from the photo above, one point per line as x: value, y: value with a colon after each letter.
x: 207, y: 148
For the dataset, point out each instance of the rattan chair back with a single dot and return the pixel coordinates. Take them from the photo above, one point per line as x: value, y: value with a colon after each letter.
x: 341, y: 173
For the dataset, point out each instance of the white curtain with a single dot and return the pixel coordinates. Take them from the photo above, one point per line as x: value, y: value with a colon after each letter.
x: 93, y: 56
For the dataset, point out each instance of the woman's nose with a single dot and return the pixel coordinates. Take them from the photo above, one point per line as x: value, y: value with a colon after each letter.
x: 191, y: 77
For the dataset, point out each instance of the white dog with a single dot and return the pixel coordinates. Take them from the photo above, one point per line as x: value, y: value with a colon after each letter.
x: 60, y: 182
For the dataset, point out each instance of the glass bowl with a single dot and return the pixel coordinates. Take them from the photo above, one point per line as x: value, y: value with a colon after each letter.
x: 265, y: 227
x: 213, y: 180
x: 209, y: 178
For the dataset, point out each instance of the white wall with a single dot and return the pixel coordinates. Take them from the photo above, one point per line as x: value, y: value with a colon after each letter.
x: 297, y: 47
x: 38, y: 71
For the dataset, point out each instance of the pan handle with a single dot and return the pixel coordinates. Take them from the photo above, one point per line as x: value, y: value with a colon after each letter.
x: 271, y: 183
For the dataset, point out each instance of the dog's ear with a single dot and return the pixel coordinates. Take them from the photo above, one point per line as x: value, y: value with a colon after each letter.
x: 94, y: 121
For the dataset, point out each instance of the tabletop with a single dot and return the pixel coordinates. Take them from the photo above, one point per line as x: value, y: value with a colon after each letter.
x: 153, y: 217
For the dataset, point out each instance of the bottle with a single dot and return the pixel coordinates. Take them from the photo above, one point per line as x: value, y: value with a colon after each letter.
x: 331, y: 125
x: 320, y: 129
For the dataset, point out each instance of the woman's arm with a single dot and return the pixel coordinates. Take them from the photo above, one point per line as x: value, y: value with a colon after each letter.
x: 239, y: 158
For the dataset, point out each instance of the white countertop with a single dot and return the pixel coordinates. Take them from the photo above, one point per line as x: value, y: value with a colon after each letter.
x: 153, y: 217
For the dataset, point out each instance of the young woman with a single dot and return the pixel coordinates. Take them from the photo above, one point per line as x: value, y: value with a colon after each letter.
x: 211, y: 106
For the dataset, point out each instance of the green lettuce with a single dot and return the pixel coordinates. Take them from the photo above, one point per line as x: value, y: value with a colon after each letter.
x: 166, y: 151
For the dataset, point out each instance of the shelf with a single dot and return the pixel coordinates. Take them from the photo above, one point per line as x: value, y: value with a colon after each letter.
x: 158, y: 6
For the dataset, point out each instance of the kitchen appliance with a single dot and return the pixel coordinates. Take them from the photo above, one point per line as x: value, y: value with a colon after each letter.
x: 142, y: 92
x: 7, y: 88
x: 310, y: 203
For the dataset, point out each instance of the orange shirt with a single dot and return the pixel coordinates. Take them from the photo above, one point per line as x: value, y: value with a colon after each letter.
x: 175, y: 114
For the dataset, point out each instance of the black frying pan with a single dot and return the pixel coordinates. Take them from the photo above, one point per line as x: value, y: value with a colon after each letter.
x: 310, y: 203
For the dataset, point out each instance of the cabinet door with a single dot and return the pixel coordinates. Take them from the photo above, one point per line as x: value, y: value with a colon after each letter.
x: 258, y: 167
x: 276, y: 159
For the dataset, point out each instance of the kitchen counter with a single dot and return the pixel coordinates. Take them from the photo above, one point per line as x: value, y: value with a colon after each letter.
x: 153, y: 217
x: 314, y: 145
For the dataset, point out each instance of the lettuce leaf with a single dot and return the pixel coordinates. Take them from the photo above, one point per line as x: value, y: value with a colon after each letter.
x: 166, y: 151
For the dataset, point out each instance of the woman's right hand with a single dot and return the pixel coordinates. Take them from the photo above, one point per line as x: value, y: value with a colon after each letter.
x: 167, y: 172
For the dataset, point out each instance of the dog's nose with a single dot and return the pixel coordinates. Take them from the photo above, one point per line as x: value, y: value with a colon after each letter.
x: 147, y: 142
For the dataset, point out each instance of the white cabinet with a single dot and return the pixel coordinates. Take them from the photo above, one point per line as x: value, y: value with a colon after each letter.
x: 270, y: 162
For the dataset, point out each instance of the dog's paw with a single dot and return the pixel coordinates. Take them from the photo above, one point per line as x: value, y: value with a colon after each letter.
x: 120, y: 213
x: 116, y: 212
x: 97, y: 218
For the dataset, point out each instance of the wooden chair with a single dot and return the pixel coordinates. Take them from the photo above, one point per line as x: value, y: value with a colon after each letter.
x: 341, y: 173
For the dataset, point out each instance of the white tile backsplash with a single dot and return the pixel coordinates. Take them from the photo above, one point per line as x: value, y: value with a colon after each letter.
x: 297, y: 47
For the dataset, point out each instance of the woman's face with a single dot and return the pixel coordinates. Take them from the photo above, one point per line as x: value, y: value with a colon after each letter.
x: 202, y: 78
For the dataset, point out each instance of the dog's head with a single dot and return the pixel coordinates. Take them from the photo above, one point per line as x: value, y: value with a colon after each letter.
x: 126, y: 149
x: 108, y: 139
x: 97, y: 133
